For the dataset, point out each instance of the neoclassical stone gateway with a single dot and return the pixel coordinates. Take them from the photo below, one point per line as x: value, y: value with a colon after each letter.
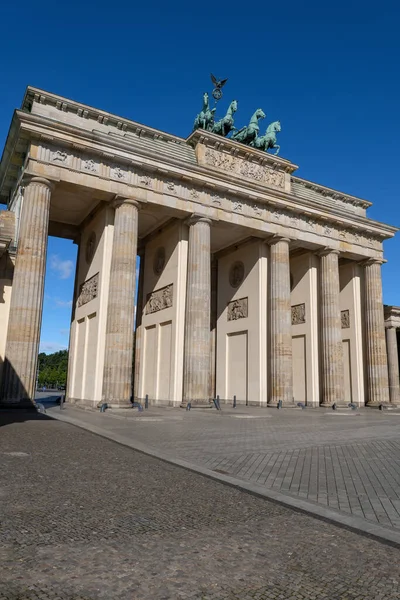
x: 253, y: 282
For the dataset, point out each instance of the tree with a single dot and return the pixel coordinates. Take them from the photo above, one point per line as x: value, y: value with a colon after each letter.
x: 53, y: 369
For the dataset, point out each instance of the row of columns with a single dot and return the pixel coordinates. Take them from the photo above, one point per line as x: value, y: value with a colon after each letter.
x: 27, y: 300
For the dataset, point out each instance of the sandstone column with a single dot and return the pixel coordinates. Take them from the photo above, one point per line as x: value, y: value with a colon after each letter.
x: 377, y: 366
x: 27, y: 296
x: 118, y: 362
x: 281, y: 323
x: 331, y: 330
x: 196, y: 375
x: 393, y: 364
x: 213, y: 323
x: 139, y: 328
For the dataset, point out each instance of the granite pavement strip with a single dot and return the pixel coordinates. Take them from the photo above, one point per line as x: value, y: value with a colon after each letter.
x: 343, y: 465
x: 84, y: 518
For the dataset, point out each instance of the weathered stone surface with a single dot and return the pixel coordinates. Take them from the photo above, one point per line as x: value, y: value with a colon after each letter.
x: 196, y: 377
x: 281, y: 323
x: 89, y: 290
x: 238, y: 309
x: 298, y: 314
x: 331, y: 334
x: 27, y: 295
x: 377, y: 365
x: 160, y: 299
x: 393, y: 364
x: 117, y: 382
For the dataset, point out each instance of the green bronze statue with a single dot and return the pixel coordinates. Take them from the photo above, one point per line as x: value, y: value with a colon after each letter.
x: 205, y: 119
x: 248, y: 134
x: 225, y: 125
x: 269, y: 139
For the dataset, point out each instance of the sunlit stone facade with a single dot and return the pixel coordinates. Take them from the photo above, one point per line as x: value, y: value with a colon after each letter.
x: 253, y: 282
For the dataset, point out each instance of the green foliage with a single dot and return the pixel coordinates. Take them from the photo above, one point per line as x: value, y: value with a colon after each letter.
x: 53, y: 369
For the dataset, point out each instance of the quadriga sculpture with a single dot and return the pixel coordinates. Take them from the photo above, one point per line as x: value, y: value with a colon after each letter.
x: 205, y: 118
x: 269, y: 139
x: 225, y: 125
x: 248, y: 134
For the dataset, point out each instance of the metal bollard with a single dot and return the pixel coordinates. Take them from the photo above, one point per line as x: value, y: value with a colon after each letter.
x: 334, y: 406
x: 146, y: 402
x: 279, y: 405
x: 234, y: 401
x: 140, y: 407
x: 62, y: 399
x: 188, y: 406
x: 103, y: 407
x: 216, y: 403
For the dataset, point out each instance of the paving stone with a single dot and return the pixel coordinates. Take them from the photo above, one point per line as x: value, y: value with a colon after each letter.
x: 84, y: 518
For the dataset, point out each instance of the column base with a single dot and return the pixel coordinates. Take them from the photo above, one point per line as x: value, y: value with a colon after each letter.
x: 116, y: 403
x: 197, y: 403
x: 285, y: 404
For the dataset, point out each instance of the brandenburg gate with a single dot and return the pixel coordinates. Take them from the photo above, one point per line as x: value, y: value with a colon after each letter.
x: 253, y: 282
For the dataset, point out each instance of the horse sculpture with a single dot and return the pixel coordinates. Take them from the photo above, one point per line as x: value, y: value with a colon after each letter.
x: 269, y: 139
x: 248, y: 134
x: 225, y: 125
x: 205, y: 119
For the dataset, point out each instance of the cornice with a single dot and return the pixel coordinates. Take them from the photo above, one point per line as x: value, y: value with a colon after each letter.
x: 195, y: 173
x: 85, y: 111
x: 51, y: 130
x: 335, y: 194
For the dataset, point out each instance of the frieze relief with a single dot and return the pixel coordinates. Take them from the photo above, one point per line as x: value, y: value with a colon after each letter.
x: 90, y: 165
x: 88, y: 290
x: 238, y: 166
x: 159, y: 299
x: 238, y: 309
x: 298, y: 314
x: 117, y: 173
x: 59, y: 156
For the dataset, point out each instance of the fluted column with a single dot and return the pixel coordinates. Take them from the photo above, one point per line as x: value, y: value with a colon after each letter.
x: 213, y: 324
x: 281, y: 323
x: 331, y: 330
x: 377, y: 366
x: 27, y: 296
x: 393, y: 364
x: 139, y: 327
x: 196, y: 375
x: 118, y: 367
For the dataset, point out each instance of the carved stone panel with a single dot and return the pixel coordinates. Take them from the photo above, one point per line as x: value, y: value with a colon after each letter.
x: 298, y: 314
x: 244, y: 168
x: 88, y: 290
x: 345, y: 314
x: 159, y: 299
x: 236, y: 274
x: 238, y: 309
x: 90, y: 247
x: 159, y: 261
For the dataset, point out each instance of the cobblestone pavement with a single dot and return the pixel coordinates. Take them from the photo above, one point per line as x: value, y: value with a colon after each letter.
x: 84, y: 518
x: 346, y: 461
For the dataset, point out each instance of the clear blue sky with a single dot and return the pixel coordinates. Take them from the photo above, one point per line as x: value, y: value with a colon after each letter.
x: 328, y: 71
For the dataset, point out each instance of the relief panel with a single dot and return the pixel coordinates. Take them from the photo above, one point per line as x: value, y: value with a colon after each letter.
x: 159, y: 299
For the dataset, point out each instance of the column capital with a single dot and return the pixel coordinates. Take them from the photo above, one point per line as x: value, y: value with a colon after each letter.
x: 120, y: 199
x: 277, y: 238
x: 196, y: 218
x: 28, y: 179
x: 372, y: 261
x: 326, y: 250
